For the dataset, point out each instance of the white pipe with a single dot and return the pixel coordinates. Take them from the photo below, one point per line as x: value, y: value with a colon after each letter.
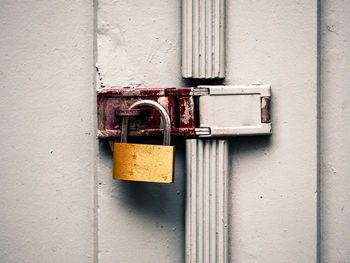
x: 203, y: 39
x: 206, y: 201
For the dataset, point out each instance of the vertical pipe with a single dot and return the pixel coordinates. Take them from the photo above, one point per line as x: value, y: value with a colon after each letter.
x: 203, y: 39
x: 206, y: 203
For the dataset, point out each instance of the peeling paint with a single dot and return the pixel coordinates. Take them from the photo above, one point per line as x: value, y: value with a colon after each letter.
x: 186, y: 116
x: 163, y: 101
x: 130, y: 92
x: 102, y: 85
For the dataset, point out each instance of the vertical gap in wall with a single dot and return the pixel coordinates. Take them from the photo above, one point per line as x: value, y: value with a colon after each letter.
x: 319, y: 36
x: 229, y: 182
x: 95, y: 149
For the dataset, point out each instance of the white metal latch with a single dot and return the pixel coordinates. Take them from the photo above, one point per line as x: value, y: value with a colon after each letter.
x: 233, y: 110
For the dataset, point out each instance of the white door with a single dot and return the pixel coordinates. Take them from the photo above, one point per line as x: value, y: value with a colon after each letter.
x: 273, y: 180
x: 58, y: 202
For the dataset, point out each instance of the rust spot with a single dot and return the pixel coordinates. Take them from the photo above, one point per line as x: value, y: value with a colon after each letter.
x: 186, y: 116
x: 265, y: 110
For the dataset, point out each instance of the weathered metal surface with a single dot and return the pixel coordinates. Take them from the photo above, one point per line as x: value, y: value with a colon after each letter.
x: 133, y: 113
x: 177, y: 101
x: 265, y: 110
x: 166, y: 124
x: 143, y: 162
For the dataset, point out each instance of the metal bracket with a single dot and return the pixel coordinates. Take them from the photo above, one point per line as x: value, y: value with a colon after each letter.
x: 218, y: 111
x: 233, y: 110
x: 113, y: 105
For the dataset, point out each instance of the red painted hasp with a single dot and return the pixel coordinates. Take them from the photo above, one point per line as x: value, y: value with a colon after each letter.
x: 113, y: 104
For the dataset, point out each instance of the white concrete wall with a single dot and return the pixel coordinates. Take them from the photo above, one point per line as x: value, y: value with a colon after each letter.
x: 47, y: 131
x: 335, y: 131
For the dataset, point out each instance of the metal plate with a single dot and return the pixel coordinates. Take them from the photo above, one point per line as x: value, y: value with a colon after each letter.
x: 177, y: 101
x: 234, y: 110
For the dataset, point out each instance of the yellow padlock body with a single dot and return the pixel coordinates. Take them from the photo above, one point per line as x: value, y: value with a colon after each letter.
x: 143, y: 162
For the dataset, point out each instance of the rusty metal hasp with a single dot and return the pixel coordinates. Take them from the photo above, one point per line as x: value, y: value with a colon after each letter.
x: 203, y: 111
x: 113, y: 105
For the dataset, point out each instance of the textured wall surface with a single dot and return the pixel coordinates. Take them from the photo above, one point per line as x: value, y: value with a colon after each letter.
x: 47, y: 131
x: 138, y: 45
x: 274, y: 180
x: 335, y: 128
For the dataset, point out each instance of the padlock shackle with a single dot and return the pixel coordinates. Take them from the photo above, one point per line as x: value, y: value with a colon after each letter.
x: 163, y: 113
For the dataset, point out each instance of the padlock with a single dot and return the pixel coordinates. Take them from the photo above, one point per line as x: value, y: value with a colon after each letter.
x: 145, y: 162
